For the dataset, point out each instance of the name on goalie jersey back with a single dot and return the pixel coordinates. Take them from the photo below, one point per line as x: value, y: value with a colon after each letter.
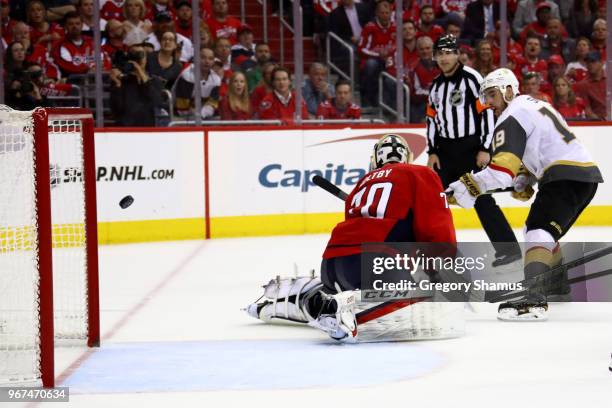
x: 376, y: 175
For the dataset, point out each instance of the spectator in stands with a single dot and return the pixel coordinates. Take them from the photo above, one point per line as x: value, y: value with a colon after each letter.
x: 348, y: 19
x: 236, y: 105
x: 264, y: 86
x: 210, y: 84
x: 565, y: 100
x: 480, y: 18
x: 576, y: 70
x: 554, y: 43
x: 593, y: 89
x: 114, y: 10
x: 205, y: 36
x: 582, y: 18
x: 115, y: 35
x: 376, y: 45
x: 483, y: 62
x: 165, y: 64
x: 154, y: 7
x: 412, y: 11
x: 163, y: 22
x: 531, y: 61
x: 410, y: 54
x: 7, y: 23
x: 526, y: 14
x: 35, y: 53
x: 599, y: 37
x: 136, y: 27
x: 556, y: 68
x: 221, y: 25
x: 316, y: 89
x: 75, y: 54
x: 531, y: 87
x: 243, y: 53
x: 134, y: 95
x: 15, y: 60
x: 57, y: 9
x: 513, y: 48
x: 341, y: 106
x: 421, y: 78
x: 280, y: 103
x: 538, y: 27
x: 85, y: 9
x: 465, y: 56
x: 453, y: 27
x: 254, y: 72
x: 42, y: 32
x: 426, y: 24
x: 223, y: 53
x: 184, y: 23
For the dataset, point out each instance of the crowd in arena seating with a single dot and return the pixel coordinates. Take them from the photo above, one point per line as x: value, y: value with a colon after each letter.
x: 557, y: 48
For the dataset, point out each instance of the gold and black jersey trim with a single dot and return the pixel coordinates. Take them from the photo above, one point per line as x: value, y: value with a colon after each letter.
x: 587, y: 172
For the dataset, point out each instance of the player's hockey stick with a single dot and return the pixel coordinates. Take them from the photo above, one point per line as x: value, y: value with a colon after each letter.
x: 569, y: 282
x: 329, y: 187
x: 500, y: 295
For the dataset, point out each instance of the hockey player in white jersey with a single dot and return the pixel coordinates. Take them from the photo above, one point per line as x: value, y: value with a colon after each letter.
x: 532, y: 142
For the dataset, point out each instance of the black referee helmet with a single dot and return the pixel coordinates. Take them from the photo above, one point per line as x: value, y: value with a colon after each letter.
x: 446, y: 43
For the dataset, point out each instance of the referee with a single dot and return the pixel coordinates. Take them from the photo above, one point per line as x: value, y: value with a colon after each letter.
x: 459, y: 131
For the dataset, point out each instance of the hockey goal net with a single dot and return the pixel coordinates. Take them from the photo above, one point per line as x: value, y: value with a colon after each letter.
x: 48, y: 239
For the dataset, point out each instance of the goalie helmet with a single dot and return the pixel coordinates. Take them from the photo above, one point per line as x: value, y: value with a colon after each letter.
x: 501, y: 79
x: 390, y: 148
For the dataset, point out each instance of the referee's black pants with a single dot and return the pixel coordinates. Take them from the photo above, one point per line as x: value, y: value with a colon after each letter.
x: 457, y: 157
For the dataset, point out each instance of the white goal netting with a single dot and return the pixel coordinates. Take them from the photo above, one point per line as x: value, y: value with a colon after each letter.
x: 19, y: 264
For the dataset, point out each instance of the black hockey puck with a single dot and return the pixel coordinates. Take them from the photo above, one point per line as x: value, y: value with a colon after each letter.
x: 126, y: 201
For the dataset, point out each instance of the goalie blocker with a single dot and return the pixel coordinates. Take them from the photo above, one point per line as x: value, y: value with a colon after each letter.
x: 395, y: 202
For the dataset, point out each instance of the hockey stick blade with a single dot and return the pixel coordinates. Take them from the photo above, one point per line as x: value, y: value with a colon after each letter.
x: 329, y: 187
x: 500, y: 295
x: 569, y: 282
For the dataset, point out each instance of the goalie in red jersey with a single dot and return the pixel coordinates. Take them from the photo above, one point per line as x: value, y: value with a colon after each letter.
x: 394, y: 202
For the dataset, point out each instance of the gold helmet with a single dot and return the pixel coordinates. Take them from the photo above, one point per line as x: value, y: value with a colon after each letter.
x: 391, y: 148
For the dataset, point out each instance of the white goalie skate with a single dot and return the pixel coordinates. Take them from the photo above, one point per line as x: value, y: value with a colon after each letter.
x: 284, y: 300
x: 342, y: 325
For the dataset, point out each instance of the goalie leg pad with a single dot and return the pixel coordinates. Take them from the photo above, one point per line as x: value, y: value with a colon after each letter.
x: 286, y: 299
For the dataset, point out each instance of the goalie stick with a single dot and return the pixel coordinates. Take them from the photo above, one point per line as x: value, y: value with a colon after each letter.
x: 329, y: 187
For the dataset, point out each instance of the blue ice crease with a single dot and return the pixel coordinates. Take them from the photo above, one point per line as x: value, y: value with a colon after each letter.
x: 247, y: 365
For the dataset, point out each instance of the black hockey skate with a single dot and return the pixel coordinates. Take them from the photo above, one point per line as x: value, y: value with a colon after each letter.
x: 533, y: 307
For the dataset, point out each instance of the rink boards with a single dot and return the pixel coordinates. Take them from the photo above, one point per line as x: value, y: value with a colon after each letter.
x: 252, y: 181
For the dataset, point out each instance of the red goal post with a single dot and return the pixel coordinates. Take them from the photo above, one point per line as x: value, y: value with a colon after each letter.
x: 48, y: 239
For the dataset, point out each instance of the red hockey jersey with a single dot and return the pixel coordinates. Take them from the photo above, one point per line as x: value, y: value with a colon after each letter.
x: 376, y: 38
x: 328, y: 110
x: 397, y: 203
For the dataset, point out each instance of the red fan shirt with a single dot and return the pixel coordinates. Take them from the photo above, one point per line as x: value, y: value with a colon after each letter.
x: 227, y: 29
x: 329, y: 110
x: 397, y: 203
x: 271, y: 107
x: 577, y: 110
x: 376, y: 38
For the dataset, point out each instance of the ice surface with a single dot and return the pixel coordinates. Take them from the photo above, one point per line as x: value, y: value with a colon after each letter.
x: 174, y: 336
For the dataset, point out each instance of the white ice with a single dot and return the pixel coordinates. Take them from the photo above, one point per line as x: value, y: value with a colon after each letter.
x: 174, y: 336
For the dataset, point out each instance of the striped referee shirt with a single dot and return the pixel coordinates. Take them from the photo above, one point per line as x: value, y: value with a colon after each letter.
x: 454, y: 110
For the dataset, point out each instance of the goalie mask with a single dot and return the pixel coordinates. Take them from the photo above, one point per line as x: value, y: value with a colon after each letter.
x: 390, y: 149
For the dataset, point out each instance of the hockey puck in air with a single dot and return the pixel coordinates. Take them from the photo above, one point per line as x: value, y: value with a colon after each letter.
x: 126, y: 201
